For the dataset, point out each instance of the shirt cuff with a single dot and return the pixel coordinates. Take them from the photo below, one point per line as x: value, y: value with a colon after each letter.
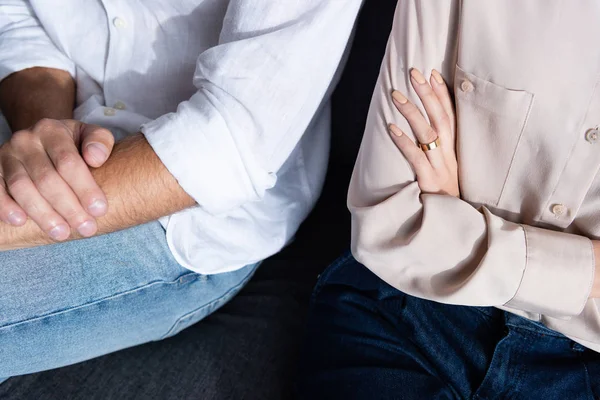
x: 11, y: 65
x: 200, y: 153
x: 558, y: 276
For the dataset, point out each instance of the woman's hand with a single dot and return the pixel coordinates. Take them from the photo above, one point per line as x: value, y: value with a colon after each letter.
x: 434, y: 158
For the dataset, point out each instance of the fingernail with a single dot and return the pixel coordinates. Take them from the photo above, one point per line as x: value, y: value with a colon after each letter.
x: 437, y: 76
x: 399, y: 97
x: 98, y: 152
x: 97, y: 208
x: 16, y: 218
x: 417, y: 76
x: 395, y: 130
x: 59, y: 232
x: 88, y: 228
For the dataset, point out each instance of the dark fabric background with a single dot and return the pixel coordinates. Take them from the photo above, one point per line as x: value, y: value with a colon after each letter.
x: 249, y: 348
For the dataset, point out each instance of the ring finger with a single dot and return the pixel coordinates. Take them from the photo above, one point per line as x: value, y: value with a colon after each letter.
x: 57, y: 192
x: 23, y: 191
x: 423, y: 132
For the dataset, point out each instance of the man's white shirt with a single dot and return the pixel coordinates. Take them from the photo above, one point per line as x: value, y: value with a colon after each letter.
x: 232, y: 96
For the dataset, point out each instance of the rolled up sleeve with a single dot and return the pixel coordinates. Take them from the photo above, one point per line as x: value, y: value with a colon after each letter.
x: 24, y: 43
x: 257, y: 93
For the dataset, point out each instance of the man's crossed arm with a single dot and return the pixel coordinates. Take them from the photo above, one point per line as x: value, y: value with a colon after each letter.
x: 46, y: 175
x: 137, y: 185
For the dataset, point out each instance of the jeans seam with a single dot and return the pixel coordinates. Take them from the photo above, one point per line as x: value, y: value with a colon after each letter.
x: 538, y: 332
x: 94, y: 302
x: 212, y: 303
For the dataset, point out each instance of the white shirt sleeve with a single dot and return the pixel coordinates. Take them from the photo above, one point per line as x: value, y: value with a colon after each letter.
x: 24, y: 43
x: 257, y: 92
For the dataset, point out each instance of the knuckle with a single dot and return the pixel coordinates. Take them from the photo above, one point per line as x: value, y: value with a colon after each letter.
x: 445, y: 119
x: 45, y: 178
x: 45, y: 124
x: 66, y: 161
x: 16, y: 184
x: 21, y: 139
x: 411, y: 111
x: 430, y: 135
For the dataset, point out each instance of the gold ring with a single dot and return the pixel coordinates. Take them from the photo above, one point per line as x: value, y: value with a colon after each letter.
x: 430, y: 146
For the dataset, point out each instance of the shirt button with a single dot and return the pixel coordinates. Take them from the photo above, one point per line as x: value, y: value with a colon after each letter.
x: 119, y: 23
x: 119, y: 105
x: 592, y: 135
x: 109, y: 112
x: 559, y: 209
x: 467, y: 86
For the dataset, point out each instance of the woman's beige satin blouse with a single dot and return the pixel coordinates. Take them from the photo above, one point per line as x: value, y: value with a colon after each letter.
x: 526, y: 81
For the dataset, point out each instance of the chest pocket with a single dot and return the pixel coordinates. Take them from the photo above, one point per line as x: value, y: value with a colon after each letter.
x: 490, y: 122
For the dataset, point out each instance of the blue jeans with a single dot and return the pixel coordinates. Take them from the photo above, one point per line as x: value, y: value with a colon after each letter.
x: 367, y: 340
x: 69, y: 302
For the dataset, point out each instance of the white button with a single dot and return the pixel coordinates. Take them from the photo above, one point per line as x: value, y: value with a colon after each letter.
x: 592, y: 135
x: 119, y: 23
x: 467, y: 86
x: 109, y: 112
x: 559, y: 209
x: 119, y: 105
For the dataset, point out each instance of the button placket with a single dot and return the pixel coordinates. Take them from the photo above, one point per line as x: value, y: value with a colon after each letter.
x: 119, y: 23
x: 579, y: 172
x: 119, y: 49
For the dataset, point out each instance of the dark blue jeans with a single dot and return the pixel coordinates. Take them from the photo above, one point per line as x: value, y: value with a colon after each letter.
x: 367, y: 340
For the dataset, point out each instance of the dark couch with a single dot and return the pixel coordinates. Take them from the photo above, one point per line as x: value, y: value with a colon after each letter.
x: 250, y: 347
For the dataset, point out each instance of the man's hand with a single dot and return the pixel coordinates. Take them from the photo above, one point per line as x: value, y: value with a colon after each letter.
x: 139, y: 189
x: 46, y: 177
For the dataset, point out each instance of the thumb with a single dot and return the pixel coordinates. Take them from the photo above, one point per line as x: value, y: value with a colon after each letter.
x: 96, y: 144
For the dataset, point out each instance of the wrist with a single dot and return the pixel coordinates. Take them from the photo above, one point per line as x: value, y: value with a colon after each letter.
x: 30, y: 95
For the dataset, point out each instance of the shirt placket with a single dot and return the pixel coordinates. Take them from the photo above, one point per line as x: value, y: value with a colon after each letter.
x: 120, y: 24
x: 580, y: 170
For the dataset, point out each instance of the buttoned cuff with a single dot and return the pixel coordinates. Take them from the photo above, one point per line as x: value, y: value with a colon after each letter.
x: 558, y: 275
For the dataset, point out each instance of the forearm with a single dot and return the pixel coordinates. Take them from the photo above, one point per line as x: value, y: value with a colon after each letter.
x: 137, y: 185
x: 28, y: 96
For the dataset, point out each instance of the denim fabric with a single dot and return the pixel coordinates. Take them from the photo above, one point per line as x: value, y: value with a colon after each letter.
x: 69, y: 302
x: 367, y: 340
